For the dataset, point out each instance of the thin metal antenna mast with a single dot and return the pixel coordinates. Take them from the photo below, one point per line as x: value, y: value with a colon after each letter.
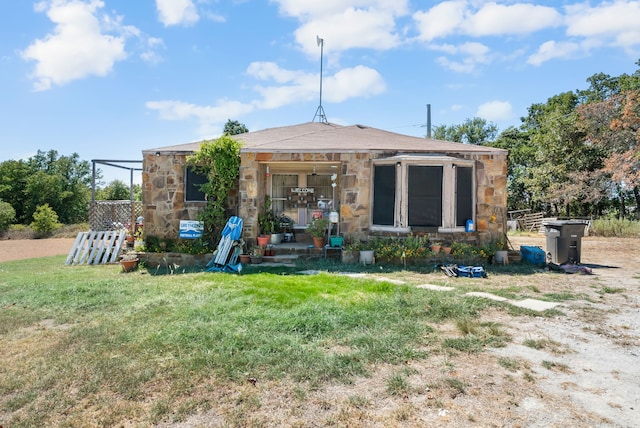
x: 428, y: 120
x: 320, y: 111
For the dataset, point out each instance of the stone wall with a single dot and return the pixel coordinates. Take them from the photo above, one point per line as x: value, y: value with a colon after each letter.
x: 163, y: 195
x: 164, y: 204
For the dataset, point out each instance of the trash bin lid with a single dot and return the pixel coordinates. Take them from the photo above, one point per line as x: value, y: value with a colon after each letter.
x: 559, y: 223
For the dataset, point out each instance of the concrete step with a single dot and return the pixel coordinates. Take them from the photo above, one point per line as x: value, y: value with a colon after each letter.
x: 281, y: 258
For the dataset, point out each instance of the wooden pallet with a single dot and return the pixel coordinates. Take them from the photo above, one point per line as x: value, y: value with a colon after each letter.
x: 532, y: 221
x: 96, y: 247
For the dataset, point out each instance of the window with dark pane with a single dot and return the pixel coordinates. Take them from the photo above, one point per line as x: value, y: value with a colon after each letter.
x: 425, y: 196
x: 192, y: 183
x: 464, y: 195
x: 384, y: 195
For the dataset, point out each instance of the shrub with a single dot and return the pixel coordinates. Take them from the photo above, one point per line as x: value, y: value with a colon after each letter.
x: 616, y: 227
x: 7, y: 216
x: 45, y: 220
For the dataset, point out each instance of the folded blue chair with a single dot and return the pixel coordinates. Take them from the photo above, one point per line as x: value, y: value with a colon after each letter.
x: 225, y: 258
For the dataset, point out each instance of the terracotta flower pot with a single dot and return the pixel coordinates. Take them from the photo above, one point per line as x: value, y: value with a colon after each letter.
x: 245, y: 258
x: 263, y: 240
x: 128, y: 265
x: 318, y: 241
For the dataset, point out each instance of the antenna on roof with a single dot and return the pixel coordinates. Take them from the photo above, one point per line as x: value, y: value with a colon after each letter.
x: 320, y: 111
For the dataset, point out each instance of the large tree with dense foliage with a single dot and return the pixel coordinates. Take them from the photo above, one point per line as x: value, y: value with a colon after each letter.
x: 577, y: 153
x: 233, y: 127
x: 62, y: 182
x: 476, y: 131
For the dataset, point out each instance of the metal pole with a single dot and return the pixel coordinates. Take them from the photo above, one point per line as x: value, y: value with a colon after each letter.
x: 428, y: 120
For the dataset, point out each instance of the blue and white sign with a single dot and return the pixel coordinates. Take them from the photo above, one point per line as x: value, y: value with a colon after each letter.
x: 191, y: 229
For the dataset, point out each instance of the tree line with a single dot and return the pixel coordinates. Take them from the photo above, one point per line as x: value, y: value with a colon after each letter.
x: 62, y: 184
x: 575, y: 155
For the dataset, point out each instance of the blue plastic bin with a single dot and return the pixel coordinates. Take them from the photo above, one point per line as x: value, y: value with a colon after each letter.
x: 533, y: 255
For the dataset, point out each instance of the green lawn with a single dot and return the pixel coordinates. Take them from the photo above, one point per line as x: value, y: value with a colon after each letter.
x: 90, y: 343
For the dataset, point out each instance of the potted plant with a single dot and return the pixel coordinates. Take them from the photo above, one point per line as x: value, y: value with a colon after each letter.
x: 129, y: 262
x: 266, y: 222
x: 351, y: 250
x: 367, y: 252
x: 257, y: 253
x: 435, y: 247
x: 244, y: 255
x: 446, y: 248
x: 317, y: 229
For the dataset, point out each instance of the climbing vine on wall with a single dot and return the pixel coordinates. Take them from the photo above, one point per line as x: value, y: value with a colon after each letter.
x: 219, y: 160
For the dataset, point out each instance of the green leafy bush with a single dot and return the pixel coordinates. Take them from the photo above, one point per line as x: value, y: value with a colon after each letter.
x: 45, y: 220
x: 616, y: 227
x: 7, y: 216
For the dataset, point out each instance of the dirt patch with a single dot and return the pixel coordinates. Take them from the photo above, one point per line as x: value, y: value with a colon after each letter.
x: 18, y: 249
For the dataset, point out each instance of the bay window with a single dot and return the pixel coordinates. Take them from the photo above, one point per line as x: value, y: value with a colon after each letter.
x: 422, y: 192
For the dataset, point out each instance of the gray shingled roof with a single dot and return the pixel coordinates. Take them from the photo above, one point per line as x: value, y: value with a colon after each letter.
x: 314, y: 137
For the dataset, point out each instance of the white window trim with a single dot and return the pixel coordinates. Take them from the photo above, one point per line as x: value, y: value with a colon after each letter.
x: 402, y: 163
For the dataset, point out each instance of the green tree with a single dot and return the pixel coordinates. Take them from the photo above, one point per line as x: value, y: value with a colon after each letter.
x: 219, y: 160
x: 475, y: 131
x: 521, y: 160
x: 561, y: 156
x: 7, y: 216
x: 233, y: 127
x: 118, y: 191
x: 13, y: 183
x: 45, y: 220
x: 63, y: 182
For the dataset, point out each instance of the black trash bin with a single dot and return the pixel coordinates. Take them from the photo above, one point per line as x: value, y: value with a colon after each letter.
x: 564, y: 240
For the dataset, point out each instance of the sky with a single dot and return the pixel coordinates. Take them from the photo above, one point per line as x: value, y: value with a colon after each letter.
x: 107, y: 79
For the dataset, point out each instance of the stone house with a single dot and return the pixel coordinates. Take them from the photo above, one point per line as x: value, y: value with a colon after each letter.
x: 385, y: 183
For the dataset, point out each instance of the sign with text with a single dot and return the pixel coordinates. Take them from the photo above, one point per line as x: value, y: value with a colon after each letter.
x: 191, y: 229
x: 302, y: 190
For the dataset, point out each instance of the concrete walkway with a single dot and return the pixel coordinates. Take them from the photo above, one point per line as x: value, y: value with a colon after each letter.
x: 532, y: 304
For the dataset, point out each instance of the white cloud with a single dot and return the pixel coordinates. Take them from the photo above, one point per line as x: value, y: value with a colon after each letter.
x: 495, y: 111
x: 442, y: 20
x: 177, y: 12
x: 77, y: 47
x: 465, y: 18
x: 616, y: 22
x: 345, y: 24
x: 288, y: 87
x: 150, y: 53
x: 85, y: 42
x: 306, y: 10
x: 297, y: 86
x: 460, y: 17
x: 552, y: 49
x: 473, y: 54
x: 208, y: 116
x: 495, y: 19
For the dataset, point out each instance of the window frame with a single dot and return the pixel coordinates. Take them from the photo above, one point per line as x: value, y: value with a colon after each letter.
x: 449, y: 191
x: 190, y: 172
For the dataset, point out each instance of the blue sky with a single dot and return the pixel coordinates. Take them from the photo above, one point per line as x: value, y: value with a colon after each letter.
x: 109, y: 78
